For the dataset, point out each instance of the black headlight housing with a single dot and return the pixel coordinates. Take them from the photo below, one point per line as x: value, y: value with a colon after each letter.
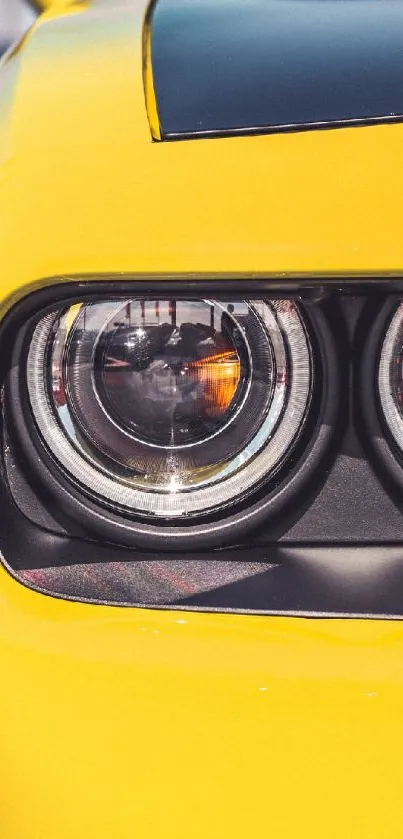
x: 177, y: 380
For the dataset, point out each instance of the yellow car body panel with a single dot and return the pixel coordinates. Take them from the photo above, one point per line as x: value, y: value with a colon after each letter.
x: 124, y: 722
x: 128, y: 722
x: 84, y: 189
x: 54, y: 5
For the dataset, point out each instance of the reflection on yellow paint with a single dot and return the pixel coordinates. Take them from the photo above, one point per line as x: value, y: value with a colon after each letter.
x: 71, y: 315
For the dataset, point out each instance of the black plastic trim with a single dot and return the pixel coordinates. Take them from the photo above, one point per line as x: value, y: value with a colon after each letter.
x: 294, y: 580
x: 381, y: 447
x: 31, y: 300
x: 290, y: 128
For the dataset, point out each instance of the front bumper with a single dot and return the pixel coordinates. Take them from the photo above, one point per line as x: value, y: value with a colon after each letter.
x: 123, y: 722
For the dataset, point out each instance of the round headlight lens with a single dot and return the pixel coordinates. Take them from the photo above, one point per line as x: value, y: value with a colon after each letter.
x: 170, y: 385
x: 390, y: 377
x: 171, y: 407
x: 168, y: 379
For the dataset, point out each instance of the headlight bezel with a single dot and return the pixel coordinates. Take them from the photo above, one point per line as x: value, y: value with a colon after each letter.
x: 378, y: 439
x: 215, y: 529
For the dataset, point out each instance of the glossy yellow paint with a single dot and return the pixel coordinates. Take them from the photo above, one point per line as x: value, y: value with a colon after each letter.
x: 123, y: 722
x: 55, y: 5
x: 86, y: 190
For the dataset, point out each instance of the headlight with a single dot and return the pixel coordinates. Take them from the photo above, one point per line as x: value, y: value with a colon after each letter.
x: 173, y: 407
x: 390, y: 377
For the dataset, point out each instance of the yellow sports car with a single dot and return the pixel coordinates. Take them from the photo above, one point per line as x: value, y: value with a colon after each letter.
x: 201, y: 489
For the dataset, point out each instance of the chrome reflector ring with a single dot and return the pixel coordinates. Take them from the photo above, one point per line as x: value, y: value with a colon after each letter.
x: 118, y: 483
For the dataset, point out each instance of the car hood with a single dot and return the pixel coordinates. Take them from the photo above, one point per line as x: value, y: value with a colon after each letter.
x: 84, y: 190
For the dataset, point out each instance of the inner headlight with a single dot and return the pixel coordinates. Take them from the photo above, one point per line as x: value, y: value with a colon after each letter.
x: 171, y: 407
x: 390, y: 377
